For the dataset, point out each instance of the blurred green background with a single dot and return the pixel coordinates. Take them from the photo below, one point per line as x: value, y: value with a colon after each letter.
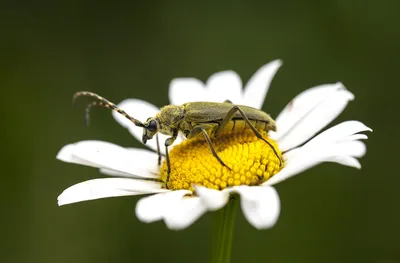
x: 50, y: 50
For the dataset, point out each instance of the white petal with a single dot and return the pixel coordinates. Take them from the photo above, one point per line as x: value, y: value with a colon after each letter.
x: 293, y: 167
x: 114, y: 173
x: 355, y: 137
x: 152, y: 208
x: 182, y: 90
x: 66, y: 154
x: 257, y: 87
x: 343, y: 147
x: 136, y: 162
x: 184, y: 212
x: 347, y: 161
x: 308, y: 113
x: 309, y: 157
x: 260, y: 205
x: 346, y: 130
x: 107, y: 187
x: 140, y: 110
x: 302, y: 104
x: 341, y: 133
x: 347, y: 148
x: 212, y: 199
x: 224, y: 85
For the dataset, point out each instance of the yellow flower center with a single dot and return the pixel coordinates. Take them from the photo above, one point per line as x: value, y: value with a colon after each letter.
x: 251, y: 161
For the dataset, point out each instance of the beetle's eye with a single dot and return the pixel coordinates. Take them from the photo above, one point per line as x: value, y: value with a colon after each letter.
x: 152, y: 126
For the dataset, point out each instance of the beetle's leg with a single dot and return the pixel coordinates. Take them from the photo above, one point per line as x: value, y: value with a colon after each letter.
x: 196, y: 130
x: 169, y: 142
x: 202, y: 129
x: 228, y: 101
x: 229, y: 117
x: 158, y: 150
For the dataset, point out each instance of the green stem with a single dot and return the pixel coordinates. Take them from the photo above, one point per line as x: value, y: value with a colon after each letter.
x: 223, y: 226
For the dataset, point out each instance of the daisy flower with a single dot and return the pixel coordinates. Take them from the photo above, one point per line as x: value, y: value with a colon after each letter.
x: 198, y: 183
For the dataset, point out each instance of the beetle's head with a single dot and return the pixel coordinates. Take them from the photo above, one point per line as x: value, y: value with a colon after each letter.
x: 151, y: 127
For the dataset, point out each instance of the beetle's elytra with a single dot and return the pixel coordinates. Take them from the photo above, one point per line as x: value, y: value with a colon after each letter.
x: 192, y: 119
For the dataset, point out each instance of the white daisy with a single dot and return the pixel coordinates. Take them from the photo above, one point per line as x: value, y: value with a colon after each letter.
x: 297, y: 127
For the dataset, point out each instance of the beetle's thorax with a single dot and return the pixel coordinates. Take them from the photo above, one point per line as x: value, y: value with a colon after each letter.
x: 169, y: 118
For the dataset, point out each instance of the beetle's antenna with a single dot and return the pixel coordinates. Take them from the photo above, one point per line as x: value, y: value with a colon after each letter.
x: 88, y: 107
x: 102, y: 102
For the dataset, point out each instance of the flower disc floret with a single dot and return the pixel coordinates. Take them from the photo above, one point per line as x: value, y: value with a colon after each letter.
x: 251, y: 161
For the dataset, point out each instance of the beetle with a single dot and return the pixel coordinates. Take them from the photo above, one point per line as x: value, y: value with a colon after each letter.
x: 192, y: 119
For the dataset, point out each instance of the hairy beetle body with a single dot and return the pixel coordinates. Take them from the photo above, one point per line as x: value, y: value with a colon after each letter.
x: 209, y: 119
x: 212, y: 113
